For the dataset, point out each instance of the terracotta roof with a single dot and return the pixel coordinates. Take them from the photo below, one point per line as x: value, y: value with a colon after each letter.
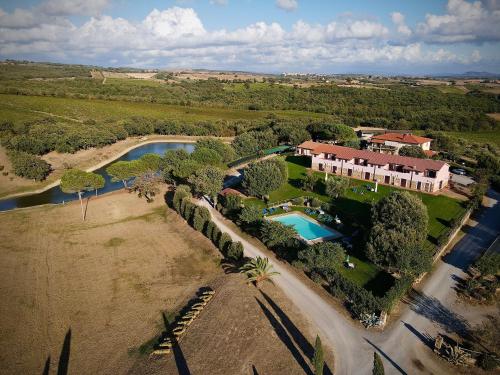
x: 376, y: 158
x: 401, y: 138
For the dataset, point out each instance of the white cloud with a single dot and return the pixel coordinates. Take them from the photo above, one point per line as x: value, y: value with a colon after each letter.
x: 218, y: 2
x: 288, y: 5
x: 176, y: 37
x: 464, y: 22
x: 77, y: 7
x: 399, y: 20
x: 174, y: 22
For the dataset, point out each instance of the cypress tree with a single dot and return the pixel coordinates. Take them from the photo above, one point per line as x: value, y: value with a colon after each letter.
x: 378, y: 366
x: 318, y: 359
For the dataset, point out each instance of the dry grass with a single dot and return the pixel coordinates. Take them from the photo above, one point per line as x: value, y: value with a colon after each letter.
x: 242, y: 327
x: 108, y: 280
x: 106, y: 283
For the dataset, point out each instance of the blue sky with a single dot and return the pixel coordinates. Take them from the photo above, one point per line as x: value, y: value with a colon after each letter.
x: 421, y: 37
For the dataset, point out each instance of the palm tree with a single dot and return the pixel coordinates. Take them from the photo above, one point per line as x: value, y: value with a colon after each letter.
x: 258, y: 269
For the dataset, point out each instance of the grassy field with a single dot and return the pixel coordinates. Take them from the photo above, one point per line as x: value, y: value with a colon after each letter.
x: 356, y: 206
x: 483, y: 137
x: 19, y: 108
x: 106, y: 280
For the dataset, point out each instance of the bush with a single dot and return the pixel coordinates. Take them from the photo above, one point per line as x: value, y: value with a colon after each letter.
x: 487, y: 362
x: 29, y: 166
x: 201, y: 216
x: 216, y: 234
x: 360, y: 300
x: 224, y: 242
x: 182, y: 191
x: 299, y: 201
x: 315, y: 202
x: 2, y: 167
x: 209, y: 228
x: 235, y: 251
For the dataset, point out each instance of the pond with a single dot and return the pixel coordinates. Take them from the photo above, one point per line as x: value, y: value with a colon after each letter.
x: 55, y: 195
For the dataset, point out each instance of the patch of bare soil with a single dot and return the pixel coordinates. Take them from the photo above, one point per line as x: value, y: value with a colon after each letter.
x: 84, y: 296
x: 495, y: 116
x: 243, y: 330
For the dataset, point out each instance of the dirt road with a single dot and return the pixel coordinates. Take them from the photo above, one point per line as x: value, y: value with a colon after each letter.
x: 404, y: 346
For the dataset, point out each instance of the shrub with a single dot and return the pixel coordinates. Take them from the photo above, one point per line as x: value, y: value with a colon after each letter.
x: 224, y: 242
x: 182, y: 191
x: 200, y: 217
x: 393, y: 295
x: 299, y: 201
x: 487, y: 362
x: 216, y: 234
x: 209, y: 228
x: 360, y: 300
x: 315, y: 202
x: 29, y: 166
x: 489, y: 264
x: 2, y: 167
x: 5, y: 173
x: 250, y: 214
x: 235, y: 251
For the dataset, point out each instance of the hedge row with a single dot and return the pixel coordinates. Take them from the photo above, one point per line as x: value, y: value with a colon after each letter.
x: 199, y: 218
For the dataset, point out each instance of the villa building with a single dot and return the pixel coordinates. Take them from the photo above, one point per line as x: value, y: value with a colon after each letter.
x: 410, y: 173
x: 390, y: 143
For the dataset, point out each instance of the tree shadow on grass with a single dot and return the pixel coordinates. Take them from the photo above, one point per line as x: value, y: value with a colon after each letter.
x: 62, y: 368
x: 292, y: 329
x: 46, y: 368
x: 432, y: 309
x: 285, y: 338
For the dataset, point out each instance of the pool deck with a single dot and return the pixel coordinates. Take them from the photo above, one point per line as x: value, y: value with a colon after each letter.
x: 334, y: 236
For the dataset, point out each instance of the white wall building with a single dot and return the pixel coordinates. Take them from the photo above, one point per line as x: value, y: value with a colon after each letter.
x: 410, y: 173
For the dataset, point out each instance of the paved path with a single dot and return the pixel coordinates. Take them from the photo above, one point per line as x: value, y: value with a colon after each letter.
x: 403, y: 346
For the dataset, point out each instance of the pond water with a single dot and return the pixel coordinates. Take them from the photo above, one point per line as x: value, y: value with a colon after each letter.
x: 55, y: 195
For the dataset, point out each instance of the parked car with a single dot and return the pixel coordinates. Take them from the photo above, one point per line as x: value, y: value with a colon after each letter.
x: 459, y: 171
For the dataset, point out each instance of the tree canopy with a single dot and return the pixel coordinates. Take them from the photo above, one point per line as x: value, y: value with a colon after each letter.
x: 329, y: 131
x: 398, y: 232
x: 336, y: 186
x: 274, y: 233
x: 207, y: 181
x: 263, y: 177
x: 413, y: 152
x: 322, y: 256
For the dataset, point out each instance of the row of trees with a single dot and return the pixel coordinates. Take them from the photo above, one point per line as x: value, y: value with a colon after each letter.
x: 400, y: 107
x: 199, y: 218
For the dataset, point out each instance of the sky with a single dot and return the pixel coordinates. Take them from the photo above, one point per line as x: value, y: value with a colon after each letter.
x: 270, y: 36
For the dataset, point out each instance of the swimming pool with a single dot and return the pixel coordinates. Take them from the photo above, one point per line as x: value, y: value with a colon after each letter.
x: 307, y: 228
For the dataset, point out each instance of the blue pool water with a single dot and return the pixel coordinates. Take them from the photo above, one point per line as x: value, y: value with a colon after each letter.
x: 306, y: 228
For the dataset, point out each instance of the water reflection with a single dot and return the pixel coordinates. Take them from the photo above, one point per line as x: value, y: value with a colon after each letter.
x: 55, y: 195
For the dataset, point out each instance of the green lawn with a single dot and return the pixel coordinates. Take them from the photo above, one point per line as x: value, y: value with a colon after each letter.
x: 355, y: 206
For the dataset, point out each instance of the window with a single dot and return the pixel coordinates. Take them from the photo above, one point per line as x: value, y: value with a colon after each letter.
x: 367, y: 175
x: 387, y: 179
x: 419, y: 185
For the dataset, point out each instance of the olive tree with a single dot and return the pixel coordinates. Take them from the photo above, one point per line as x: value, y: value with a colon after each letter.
x: 336, y: 186
x: 207, y: 181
